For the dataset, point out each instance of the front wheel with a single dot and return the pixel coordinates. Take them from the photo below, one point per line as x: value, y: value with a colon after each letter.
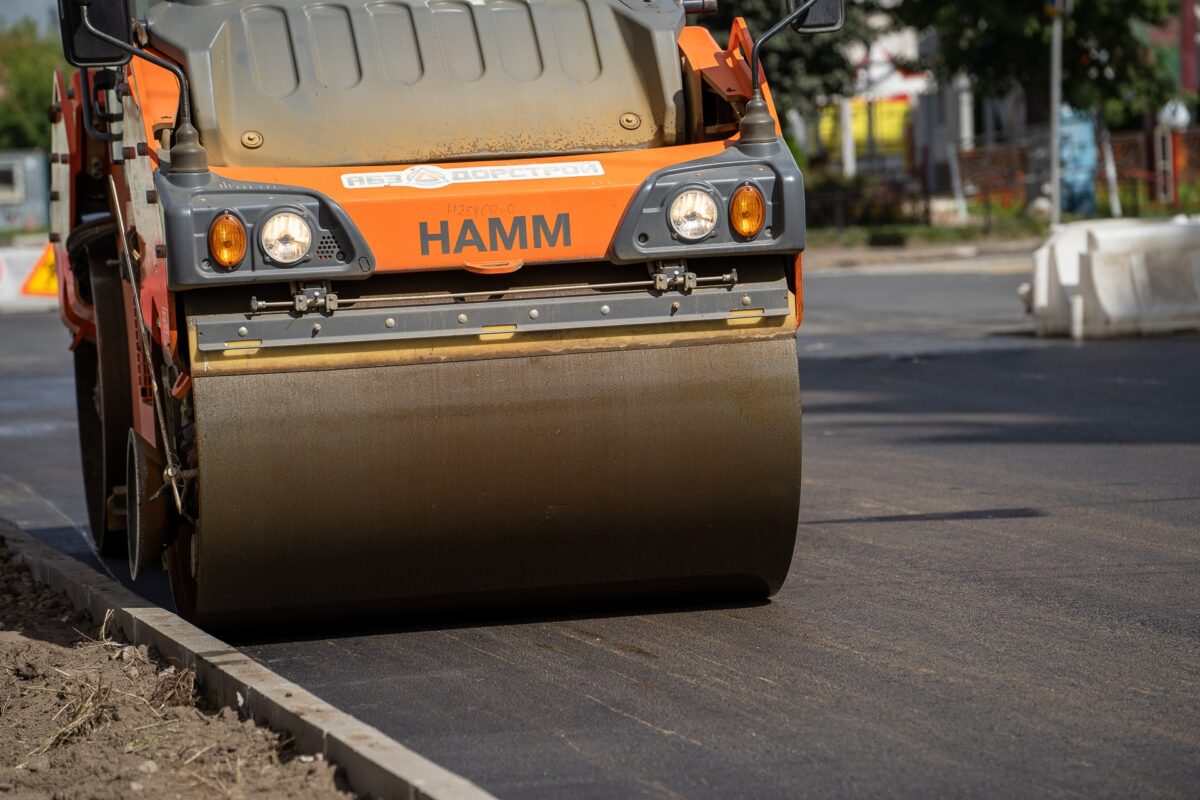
x: 102, y: 385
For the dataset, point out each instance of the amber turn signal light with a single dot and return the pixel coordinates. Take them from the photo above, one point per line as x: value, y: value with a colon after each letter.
x: 747, y: 211
x: 227, y: 240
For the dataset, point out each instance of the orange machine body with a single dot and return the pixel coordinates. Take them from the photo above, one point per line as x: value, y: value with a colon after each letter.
x: 531, y: 342
x: 460, y: 207
x: 450, y: 216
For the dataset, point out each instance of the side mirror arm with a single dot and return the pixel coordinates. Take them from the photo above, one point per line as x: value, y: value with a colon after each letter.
x: 186, y: 153
x: 185, y: 114
x: 758, y: 126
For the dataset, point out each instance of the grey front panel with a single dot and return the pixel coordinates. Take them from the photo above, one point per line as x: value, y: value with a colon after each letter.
x: 394, y: 81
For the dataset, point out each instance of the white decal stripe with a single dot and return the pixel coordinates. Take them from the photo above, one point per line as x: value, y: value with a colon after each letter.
x: 431, y: 177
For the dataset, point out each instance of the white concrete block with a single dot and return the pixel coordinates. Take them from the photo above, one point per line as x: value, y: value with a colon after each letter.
x: 1110, y: 278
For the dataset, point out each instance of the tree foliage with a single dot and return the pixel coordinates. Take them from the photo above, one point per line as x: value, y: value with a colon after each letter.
x: 27, y: 63
x: 799, y: 67
x: 1004, y: 44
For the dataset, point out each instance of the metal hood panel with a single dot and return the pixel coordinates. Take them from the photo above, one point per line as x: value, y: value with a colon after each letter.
x: 403, y: 81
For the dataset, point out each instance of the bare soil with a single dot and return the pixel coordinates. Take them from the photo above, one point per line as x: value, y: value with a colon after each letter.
x: 83, y: 715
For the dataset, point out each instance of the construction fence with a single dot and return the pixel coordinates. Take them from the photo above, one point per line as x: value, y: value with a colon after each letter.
x: 1127, y: 174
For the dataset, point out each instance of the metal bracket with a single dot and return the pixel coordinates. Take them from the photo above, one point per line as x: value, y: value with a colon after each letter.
x: 91, y: 112
x: 314, y: 297
x: 673, y: 275
x: 306, y: 297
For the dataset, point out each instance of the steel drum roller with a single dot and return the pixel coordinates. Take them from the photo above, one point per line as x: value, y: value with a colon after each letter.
x: 463, y: 484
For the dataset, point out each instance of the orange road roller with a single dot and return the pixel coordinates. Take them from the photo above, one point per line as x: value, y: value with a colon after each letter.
x: 394, y: 306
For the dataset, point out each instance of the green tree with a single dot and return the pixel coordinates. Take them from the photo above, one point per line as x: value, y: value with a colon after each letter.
x: 799, y: 67
x: 1004, y: 44
x: 27, y: 63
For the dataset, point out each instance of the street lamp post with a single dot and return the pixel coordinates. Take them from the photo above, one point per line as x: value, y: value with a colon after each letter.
x: 1056, y: 9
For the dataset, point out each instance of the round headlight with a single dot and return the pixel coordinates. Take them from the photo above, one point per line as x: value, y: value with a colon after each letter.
x: 286, y: 237
x: 693, y: 214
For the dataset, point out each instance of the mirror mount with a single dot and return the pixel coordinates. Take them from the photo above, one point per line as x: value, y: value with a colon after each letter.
x: 91, y: 112
x: 186, y: 153
x: 757, y: 125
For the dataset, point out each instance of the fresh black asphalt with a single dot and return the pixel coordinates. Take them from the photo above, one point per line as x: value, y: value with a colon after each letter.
x: 996, y: 587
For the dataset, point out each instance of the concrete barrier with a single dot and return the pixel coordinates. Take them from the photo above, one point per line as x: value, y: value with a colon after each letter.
x: 27, y: 279
x: 1142, y: 280
x: 1110, y: 278
x: 1056, y: 274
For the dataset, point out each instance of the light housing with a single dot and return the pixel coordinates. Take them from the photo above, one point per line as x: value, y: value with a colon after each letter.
x: 693, y: 214
x: 286, y: 237
x: 747, y: 211
x: 227, y: 240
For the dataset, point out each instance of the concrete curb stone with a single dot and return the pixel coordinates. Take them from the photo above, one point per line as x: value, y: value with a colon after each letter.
x: 832, y: 258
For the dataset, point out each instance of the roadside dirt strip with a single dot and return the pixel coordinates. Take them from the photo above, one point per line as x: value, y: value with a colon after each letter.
x: 85, y: 715
x: 372, y: 764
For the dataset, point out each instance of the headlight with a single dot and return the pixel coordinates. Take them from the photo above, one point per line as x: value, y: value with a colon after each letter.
x: 286, y: 237
x: 693, y: 214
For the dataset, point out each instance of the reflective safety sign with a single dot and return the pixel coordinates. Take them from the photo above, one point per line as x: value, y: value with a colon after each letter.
x: 42, y: 280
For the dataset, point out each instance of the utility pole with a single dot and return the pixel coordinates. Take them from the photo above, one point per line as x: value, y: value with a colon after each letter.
x: 1056, y: 8
x: 846, y: 124
x: 869, y: 95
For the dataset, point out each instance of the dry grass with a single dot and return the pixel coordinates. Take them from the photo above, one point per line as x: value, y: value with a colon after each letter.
x: 175, y: 688
x: 85, y: 714
x: 88, y: 703
x: 86, y: 707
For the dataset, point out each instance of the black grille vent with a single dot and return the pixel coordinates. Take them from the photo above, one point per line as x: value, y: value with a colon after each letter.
x: 327, y: 248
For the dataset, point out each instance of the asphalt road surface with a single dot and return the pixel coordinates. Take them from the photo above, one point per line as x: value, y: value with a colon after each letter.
x: 996, y: 587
